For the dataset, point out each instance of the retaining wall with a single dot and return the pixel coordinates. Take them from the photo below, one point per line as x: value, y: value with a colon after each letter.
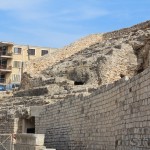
x: 115, y: 117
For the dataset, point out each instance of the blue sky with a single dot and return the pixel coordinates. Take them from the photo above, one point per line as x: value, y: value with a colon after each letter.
x: 56, y: 23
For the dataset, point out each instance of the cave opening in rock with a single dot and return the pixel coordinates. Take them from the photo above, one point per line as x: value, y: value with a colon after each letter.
x: 140, y: 70
x: 78, y: 82
x: 122, y: 75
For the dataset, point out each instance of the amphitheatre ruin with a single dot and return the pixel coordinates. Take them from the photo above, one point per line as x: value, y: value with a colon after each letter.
x: 93, y: 94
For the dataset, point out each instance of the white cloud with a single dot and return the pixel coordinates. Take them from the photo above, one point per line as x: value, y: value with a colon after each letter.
x: 33, y: 9
x: 21, y: 4
x: 85, y: 13
x: 54, y: 24
x: 23, y: 9
x: 14, y: 4
x: 78, y: 14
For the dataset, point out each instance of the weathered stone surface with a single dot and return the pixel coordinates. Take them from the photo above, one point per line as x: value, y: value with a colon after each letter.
x: 86, y: 111
x: 32, y: 92
x: 118, y: 54
x: 28, y: 147
x: 114, y: 117
x: 97, y: 60
x: 30, y: 139
x: 37, y: 65
x: 35, y: 110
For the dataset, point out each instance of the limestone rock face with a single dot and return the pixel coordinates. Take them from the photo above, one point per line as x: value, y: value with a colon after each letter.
x: 78, y: 74
x: 80, y: 68
x: 93, y: 61
x: 37, y: 65
x: 90, y: 62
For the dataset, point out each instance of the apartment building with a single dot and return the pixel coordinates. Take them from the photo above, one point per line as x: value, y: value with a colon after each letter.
x: 12, y: 59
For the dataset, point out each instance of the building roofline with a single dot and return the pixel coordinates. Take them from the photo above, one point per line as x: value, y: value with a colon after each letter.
x: 7, y: 43
x: 14, y: 44
x: 34, y: 46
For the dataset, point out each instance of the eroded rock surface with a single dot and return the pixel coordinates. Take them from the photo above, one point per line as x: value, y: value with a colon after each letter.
x: 118, y: 54
x: 79, y: 69
x: 37, y: 65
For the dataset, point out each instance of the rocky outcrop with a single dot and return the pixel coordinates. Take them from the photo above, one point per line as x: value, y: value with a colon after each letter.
x: 82, y: 67
x: 99, y: 64
x: 97, y: 59
x: 127, y: 31
x: 37, y: 65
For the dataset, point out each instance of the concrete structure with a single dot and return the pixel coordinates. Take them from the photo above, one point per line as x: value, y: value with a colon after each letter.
x: 13, y: 58
x: 29, y: 142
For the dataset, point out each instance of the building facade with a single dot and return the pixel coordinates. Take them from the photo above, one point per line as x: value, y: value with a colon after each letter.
x: 12, y: 60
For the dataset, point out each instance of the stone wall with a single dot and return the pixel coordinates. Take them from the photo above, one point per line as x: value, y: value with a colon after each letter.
x: 30, y: 82
x: 115, y: 117
x: 6, y: 126
x: 10, y: 126
x: 32, y: 92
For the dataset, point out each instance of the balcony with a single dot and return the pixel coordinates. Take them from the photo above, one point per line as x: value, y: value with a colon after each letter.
x: 4, y: 54
x: 5, y: 68
x: 2, y: 80
x: 2, y: 84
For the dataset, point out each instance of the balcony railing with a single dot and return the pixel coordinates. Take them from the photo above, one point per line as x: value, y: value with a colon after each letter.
x: 5, y: 68
x: 2, y: 80
x: 5, y: 53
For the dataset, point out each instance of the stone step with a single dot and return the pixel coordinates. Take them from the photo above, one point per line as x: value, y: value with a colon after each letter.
x: 32, y: 92
x: 61, y: 96
x: 48, y: 81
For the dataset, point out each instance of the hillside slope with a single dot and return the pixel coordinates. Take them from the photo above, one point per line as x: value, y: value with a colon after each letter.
x: 37, y: 65
x: 94, y: 60
x: 80, y: 69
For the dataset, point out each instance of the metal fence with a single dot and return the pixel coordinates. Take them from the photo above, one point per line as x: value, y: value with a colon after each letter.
x: 6, y: 141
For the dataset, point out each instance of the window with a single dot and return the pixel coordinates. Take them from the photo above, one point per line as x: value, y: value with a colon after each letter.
x: 17, y: 64
x: 4, y: 48
x: 31, y: 51
x: 2, y: 78
x: 17, y: 50
x: 3, y: 64
x: 16, y: 78
x: 44, y: 52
